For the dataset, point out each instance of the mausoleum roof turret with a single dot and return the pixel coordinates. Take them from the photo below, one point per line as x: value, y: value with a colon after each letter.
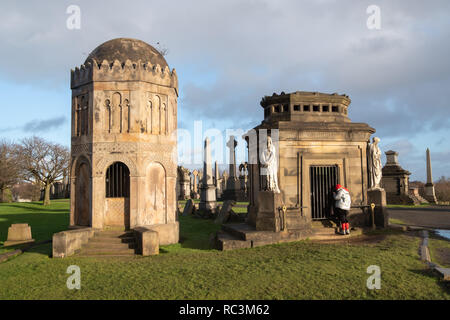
x: 305, y: 106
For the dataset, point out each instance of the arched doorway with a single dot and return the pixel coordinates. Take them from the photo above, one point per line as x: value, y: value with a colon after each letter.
x: 82, y: 194
x: 117, y: 192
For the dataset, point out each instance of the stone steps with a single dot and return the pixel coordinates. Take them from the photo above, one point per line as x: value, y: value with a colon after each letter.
x: 238, y: 236
x: 113, y: 240
x: 106, y: 251
x: 109, y: 243
x: 241, y: 235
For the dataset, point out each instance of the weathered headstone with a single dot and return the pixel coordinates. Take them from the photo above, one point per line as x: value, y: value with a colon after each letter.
x: 19, y: 233
x: 225, y: 211
x: 189, y: 208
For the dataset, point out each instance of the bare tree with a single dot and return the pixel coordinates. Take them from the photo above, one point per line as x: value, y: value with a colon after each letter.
x: 43, y: 163
x: 162, y: 50
x: 9, y: 170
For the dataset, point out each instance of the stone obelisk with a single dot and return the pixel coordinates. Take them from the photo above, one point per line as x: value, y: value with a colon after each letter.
x: 232, y: 183
x: 430, y: 194
x: 207, y: 189
x: 217, y: 181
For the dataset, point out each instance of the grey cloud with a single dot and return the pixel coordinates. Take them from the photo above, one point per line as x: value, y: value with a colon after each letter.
x: 396, y: 77
x: 44, y: 125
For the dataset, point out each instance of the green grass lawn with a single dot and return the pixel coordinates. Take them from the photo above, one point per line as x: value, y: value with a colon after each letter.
x: 191, y: 270
x: 396, y: 221
x: 408, y: 205
x: 439, y: 251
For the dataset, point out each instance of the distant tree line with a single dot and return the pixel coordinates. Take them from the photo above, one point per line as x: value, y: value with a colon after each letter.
x: 441, y: 187
x: 30, y: 166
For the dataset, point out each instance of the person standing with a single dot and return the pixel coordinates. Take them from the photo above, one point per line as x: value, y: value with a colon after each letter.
x: 342, y: 206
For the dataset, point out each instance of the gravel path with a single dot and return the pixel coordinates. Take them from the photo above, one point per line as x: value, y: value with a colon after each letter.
x: 437, y: 217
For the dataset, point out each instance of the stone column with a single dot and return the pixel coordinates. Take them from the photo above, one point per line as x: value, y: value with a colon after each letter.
x: 430, y: 194
x: 217, y: 181
x: 231, y: 144
x: 208, y: 190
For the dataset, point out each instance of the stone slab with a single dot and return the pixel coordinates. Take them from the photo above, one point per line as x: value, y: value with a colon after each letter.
x: 168, y: 233
x: 7, y: 255
x: 444, y: 273
x: 66, y: 243
x: 228, y: 242
x: 11, y: 243
x: 246, y: 232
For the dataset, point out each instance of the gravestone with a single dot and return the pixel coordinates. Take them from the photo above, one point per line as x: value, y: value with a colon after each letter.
x: 207, y: 189
x: 189, y: 208
x: 225, y: 211
x: 19, y: 233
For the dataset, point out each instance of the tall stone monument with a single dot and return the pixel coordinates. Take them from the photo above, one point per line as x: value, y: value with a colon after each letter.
x: 430, y: 194
x: 194, y: 189
x: 207, y: 189
x: 224, y: 181
x: 217, y: 181
x: 232, y: 184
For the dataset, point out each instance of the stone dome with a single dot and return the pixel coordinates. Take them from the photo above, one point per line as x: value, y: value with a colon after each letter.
x: 125, y: 48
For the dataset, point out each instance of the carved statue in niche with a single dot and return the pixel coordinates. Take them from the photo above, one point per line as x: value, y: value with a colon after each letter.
x: 155, y: 116
x: 85, y: 118
x: 126, y: 116
x: 148, y: 117
x: 269, y: 162
x: 163, y: 119
x: 375, y: 167
x: 78, y: 118
x: 169, y: 118
x: 116, y: 113
x: 108, y: 115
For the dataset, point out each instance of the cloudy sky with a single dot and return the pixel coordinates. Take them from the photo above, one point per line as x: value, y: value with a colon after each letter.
x: 228, y: 54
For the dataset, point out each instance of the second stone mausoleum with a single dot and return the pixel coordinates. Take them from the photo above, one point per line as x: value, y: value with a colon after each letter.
x: 317, y: 147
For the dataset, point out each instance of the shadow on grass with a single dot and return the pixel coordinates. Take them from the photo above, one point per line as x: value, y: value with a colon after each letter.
x: 431, y: 274
x: 35, y: 207
x: 43, y: 225
x: 195, y: 234
x: 44, y: 249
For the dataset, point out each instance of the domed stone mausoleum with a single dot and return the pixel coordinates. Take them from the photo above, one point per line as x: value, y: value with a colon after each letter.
x: 124, y: 116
